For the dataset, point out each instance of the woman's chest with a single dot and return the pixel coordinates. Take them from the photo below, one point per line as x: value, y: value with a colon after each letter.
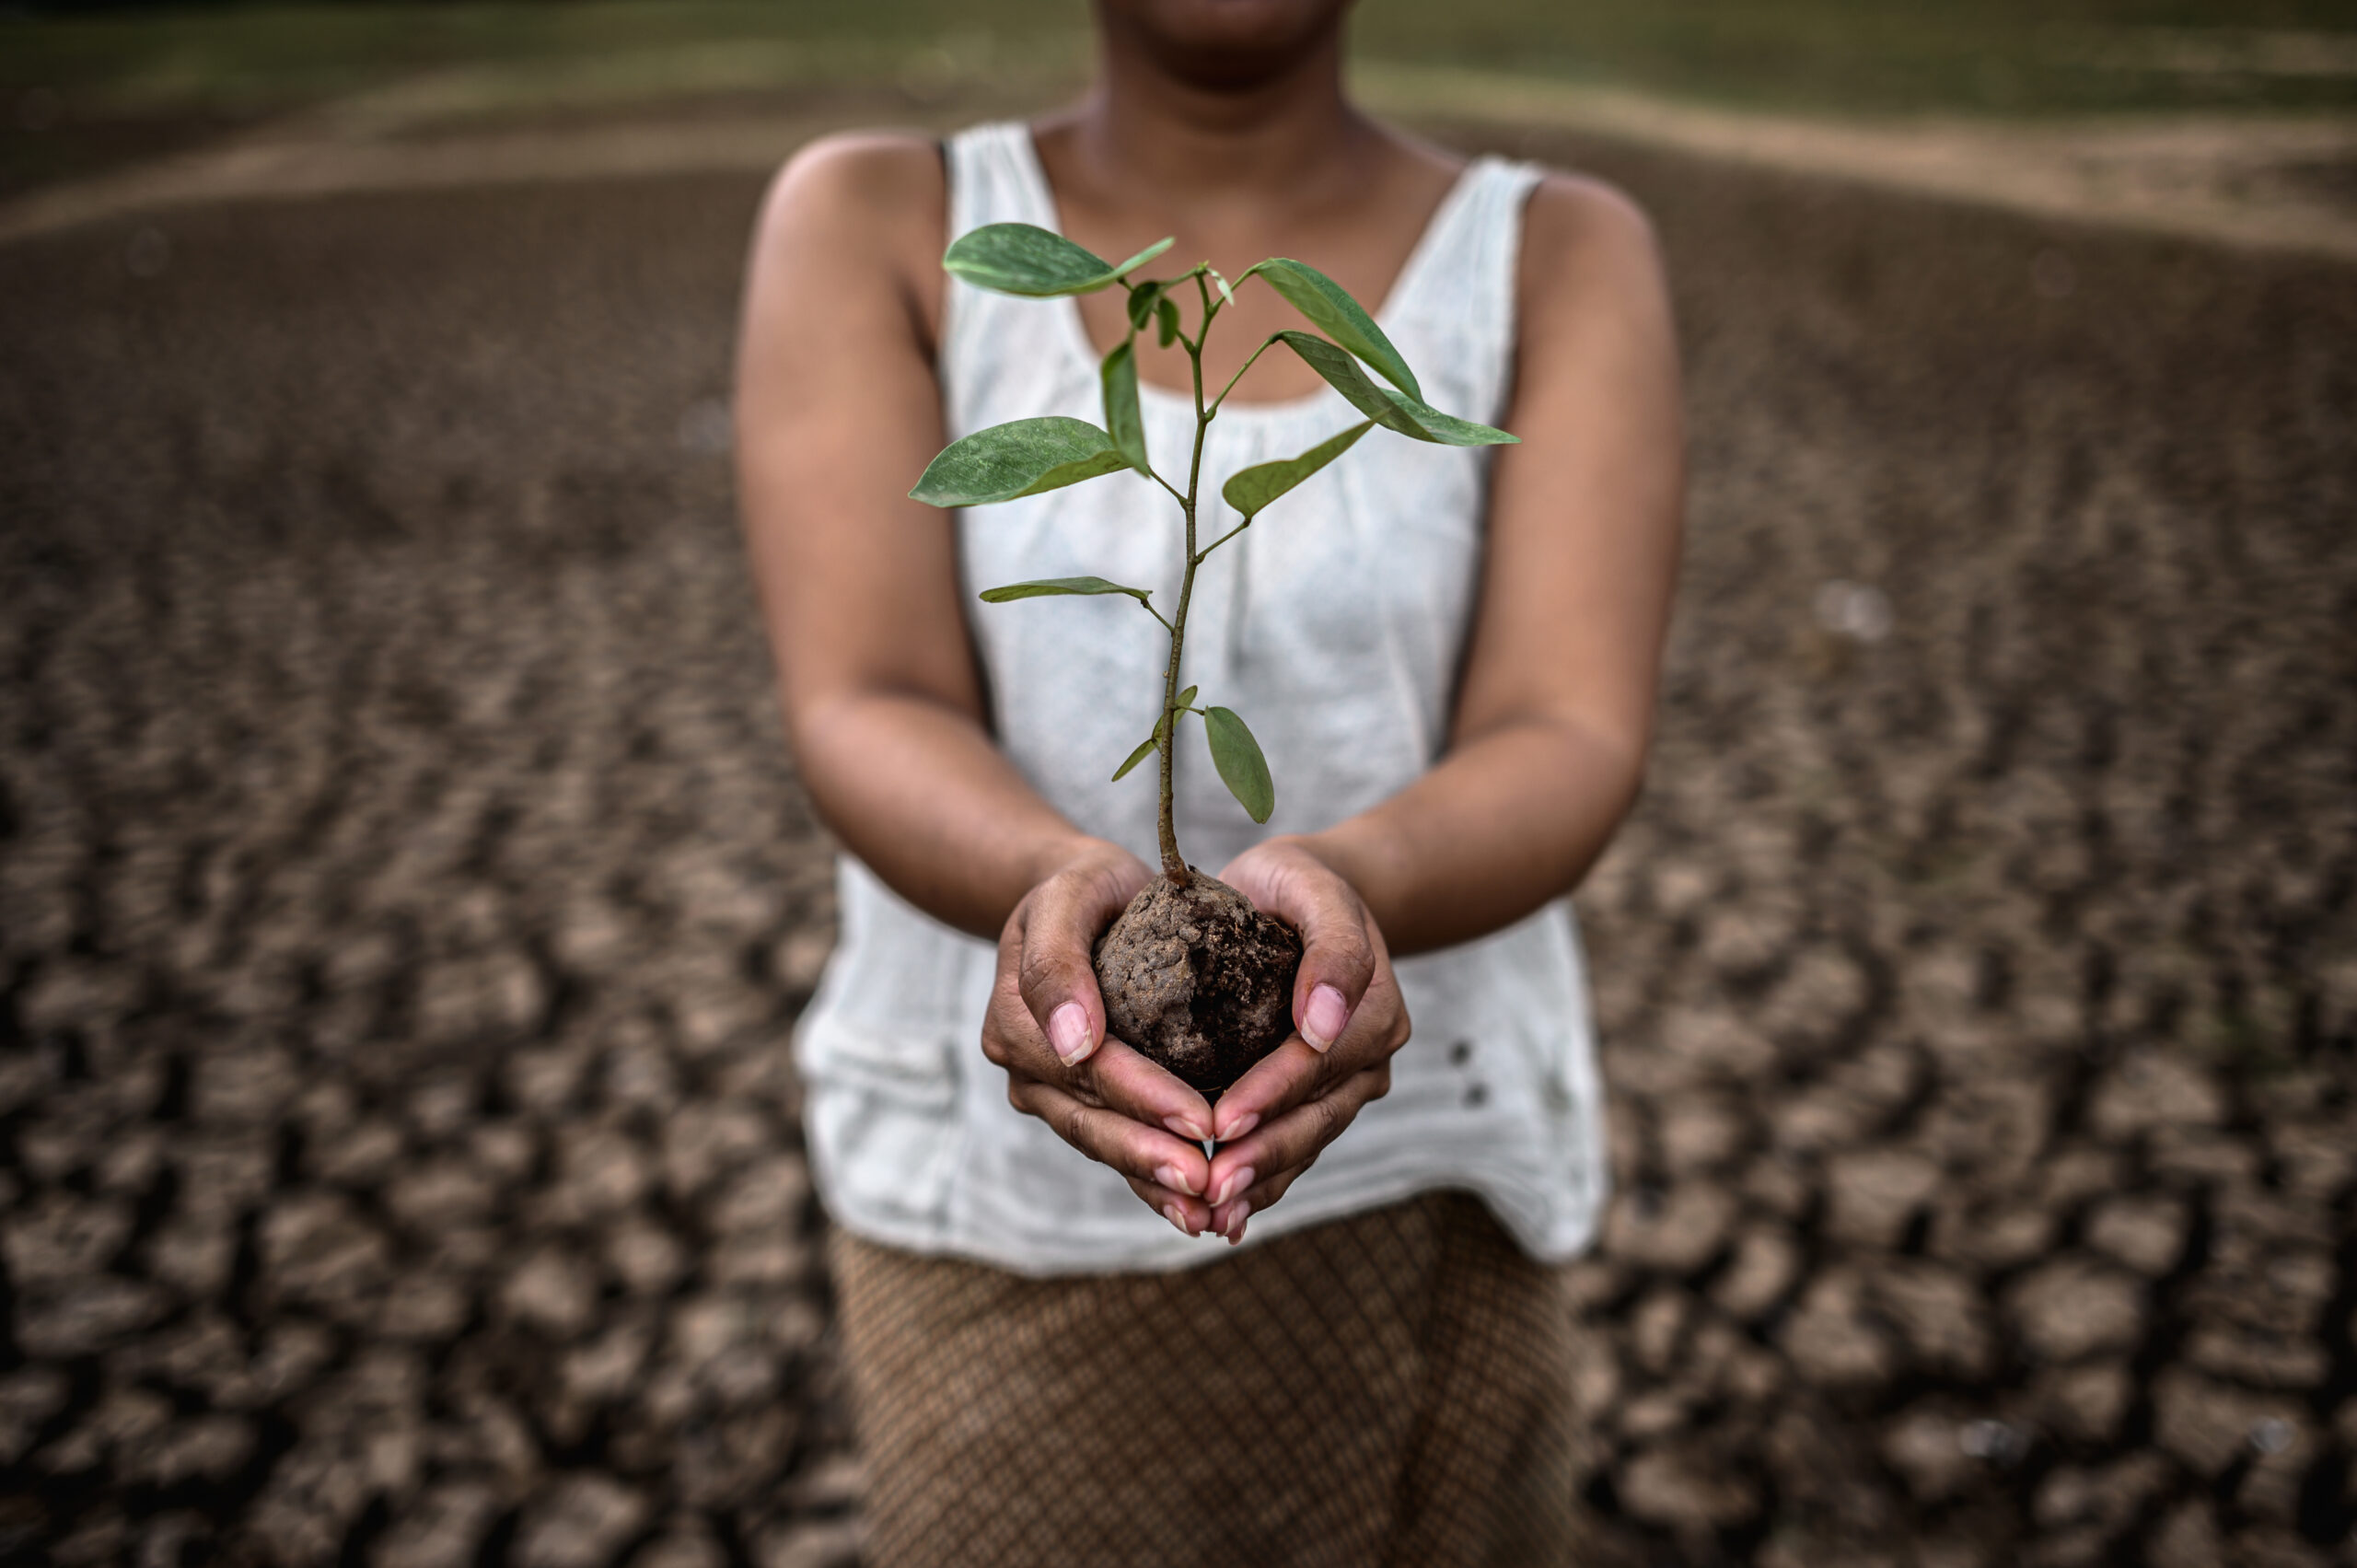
x: 1377, y: 554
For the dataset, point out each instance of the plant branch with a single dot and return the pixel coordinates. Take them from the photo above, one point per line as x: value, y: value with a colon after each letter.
x: 1210, y: 308
x: 1239, y: 375
x: 1195, y: 343
x: 1204, y: 552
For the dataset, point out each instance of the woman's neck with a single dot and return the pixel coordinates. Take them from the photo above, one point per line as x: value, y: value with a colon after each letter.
x: 1195, y: 140
x: 1236, y: 164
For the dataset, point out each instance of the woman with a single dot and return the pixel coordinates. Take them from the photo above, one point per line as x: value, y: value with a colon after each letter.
x: 1450, y: 658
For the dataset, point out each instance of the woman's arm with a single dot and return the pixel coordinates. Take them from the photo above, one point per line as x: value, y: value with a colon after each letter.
x: 837, y: 412
x: 1555, y: 702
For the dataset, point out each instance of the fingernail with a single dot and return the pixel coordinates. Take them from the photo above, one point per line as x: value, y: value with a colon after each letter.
x: 1234, y: 1232
x: 1068, y: 1033
x: 1244, y: 1123
x: 1185, y: 1129
x: 1177, y: 1217
x: 1322, y: 1020
x: 1170, y: 1176
x: 1237, y: 1180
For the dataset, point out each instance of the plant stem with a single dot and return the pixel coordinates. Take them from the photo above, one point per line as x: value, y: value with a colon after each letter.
x: 1174, y: 865
x: 1204, y: 554
x: 1240, y: 374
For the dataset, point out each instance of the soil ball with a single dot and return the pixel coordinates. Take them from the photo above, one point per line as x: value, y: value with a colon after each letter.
x: 1198, y: 979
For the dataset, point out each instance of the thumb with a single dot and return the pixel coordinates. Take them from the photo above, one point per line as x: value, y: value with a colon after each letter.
x: 1056, y: 971
x: 1338, y: 949
x: 1337, y: 964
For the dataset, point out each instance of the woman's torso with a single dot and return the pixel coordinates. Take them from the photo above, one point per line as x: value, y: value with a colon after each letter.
x: 1334, y: 626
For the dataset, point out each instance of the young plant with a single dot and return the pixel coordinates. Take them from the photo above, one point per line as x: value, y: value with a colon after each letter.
x: 1192, y: 974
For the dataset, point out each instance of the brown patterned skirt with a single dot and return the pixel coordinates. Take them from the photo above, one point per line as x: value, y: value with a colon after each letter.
x: 1388, y: 1389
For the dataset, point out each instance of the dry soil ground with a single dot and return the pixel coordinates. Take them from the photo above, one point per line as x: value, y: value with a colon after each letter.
x: 406, y: 896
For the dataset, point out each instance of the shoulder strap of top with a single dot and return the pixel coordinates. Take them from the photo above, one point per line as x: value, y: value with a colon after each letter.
x: 1458, y: 294
x: 994, y: 177
x: 1477, y: 228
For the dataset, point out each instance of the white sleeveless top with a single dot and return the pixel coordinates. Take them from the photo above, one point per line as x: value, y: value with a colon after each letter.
x: 1334, y: 625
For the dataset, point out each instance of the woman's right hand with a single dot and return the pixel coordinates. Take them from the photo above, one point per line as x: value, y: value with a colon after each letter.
x: 1046, y: 1027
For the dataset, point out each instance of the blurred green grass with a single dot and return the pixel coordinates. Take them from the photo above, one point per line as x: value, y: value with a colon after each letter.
x: 78, y: 89
x: 240, y: 58
x: 1881, y: 57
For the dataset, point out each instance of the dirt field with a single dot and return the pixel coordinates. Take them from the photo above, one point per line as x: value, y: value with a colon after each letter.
x: 405, y: 893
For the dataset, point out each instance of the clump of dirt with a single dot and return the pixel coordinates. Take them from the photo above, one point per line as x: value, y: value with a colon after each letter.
x: 1198, y: 979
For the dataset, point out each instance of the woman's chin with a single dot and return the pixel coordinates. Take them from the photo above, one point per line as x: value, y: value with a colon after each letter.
x: 1227, y: 44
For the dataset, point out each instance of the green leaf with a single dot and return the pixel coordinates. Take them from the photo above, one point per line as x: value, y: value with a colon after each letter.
x: 1224, y: 291
x: 1022, y: 457
x: 1333, y: 311
x: 1142, y: 300
x: 1049, y: 588
x: 1446, y: 428
x: 1119, y: 377
x: 1146, y: 746
x: 1393, y: 411
x: 1145, y: 749
x: 1251, y: 488
x: 1166, y: 320
x: 1241, y: 767
x: 1343, y: 373
x: 1142, y: 257
x: 1022, y: 259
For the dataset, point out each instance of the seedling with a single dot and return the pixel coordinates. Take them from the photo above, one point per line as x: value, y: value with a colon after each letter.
x: 1192, y: 974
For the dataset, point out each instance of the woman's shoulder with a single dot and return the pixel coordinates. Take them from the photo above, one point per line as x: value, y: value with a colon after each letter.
x: 1586, y: 245
x: 1581, y: 221
x: 871, y: 198
x: 863, y: 173
x: 1573, y: 226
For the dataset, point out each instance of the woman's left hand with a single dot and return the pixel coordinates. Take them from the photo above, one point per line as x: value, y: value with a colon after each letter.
x: 1347, y: 1020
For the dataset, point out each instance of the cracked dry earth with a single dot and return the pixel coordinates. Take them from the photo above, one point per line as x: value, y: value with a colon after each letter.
x: 405, y: 895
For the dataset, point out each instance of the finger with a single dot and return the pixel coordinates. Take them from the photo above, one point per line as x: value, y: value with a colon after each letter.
x: 1188, y: 1215
x: 1055, y: 967
x: 1136, y: 1150
x: 1270, y: 1086
x: 1289, y: 1142
x: 1228, y: 1220
x: 1138, y: 1087
x: 1340, y: 948
x: 1296, y: 1072
x: 1113, y: 1076
x: 1338, y: 961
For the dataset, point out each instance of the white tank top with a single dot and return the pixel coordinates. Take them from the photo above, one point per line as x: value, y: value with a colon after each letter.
x: 1334, y: 625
